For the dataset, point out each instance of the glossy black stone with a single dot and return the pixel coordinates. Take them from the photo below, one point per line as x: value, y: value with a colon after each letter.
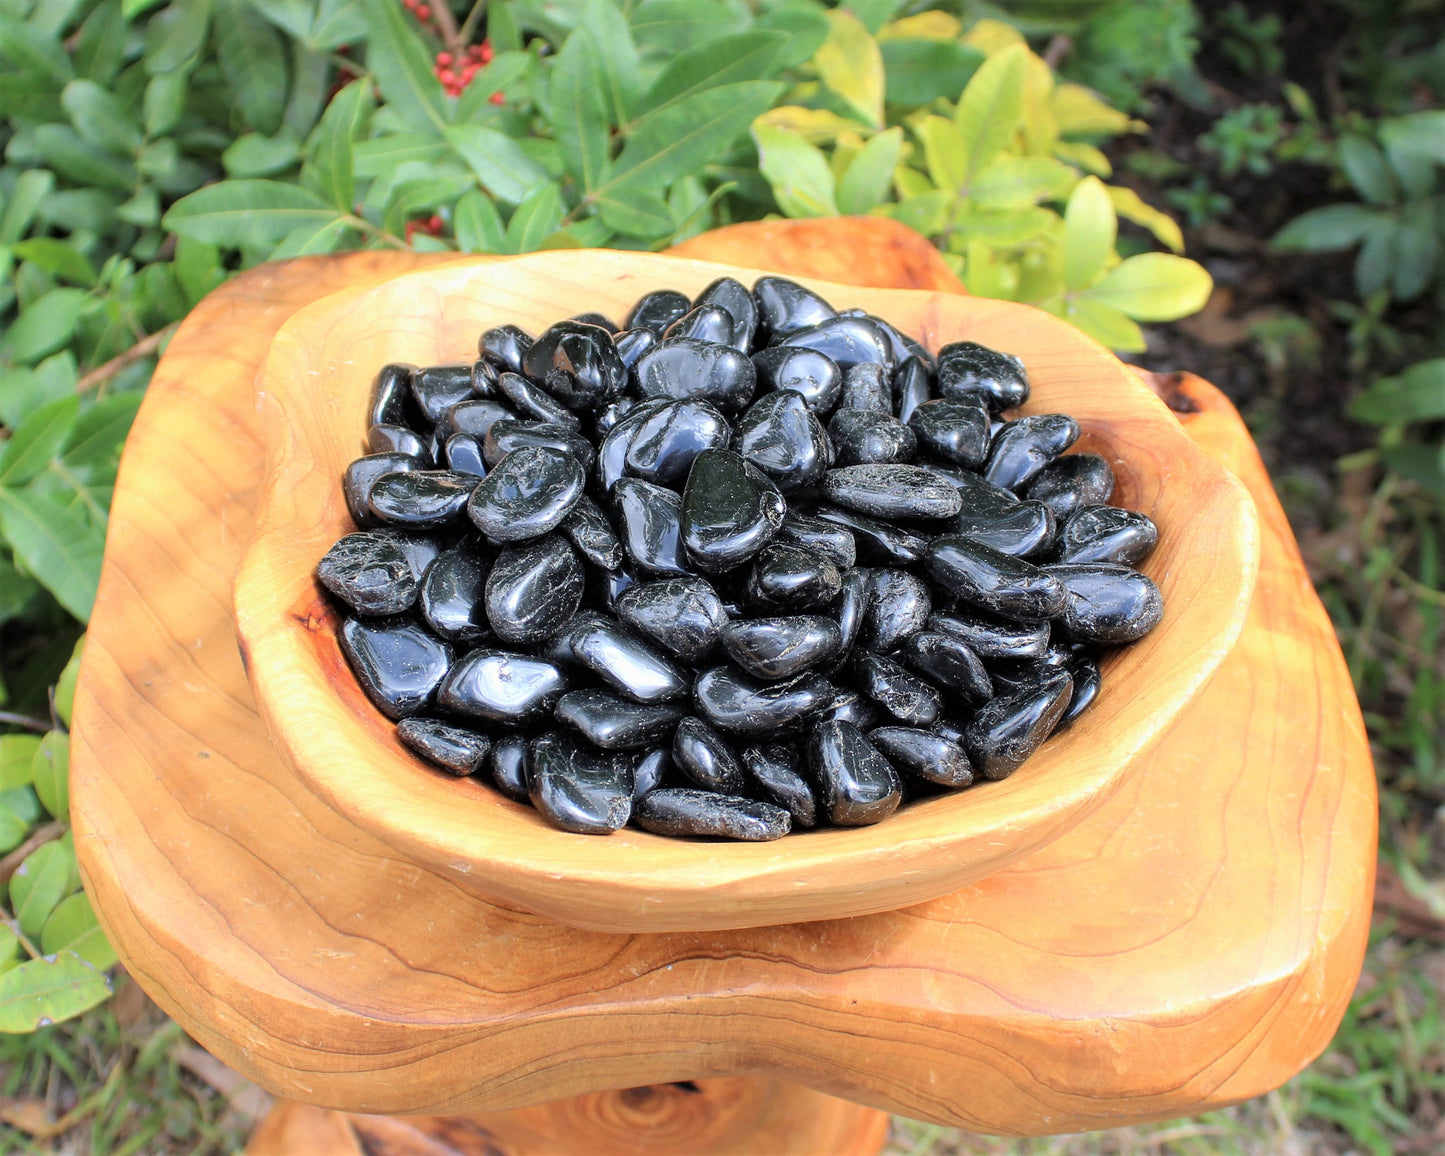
x: 730, y: 511
x: 775, y: 648
x: 666, y: 442
x: 463, y: 455
x: 591, y: 534
x: 899, y: 603
x: 866, y: 437
x: 397, y: 439
x: 1106, y: 534
x: 733, y: 297
x: 613, y: 584
x: 577, y: 364
x: 370, y: 573
x: 925, y: 754
x: 710, y: 323
x: 508, y: 765
x: 815, y: 375
x: 1024, y: 447
x: 856, y: 785
x: 607, y: 419
x: 631, y: 344
x: 509, y: 434
x: 994, y: 638
x: 685, y: 813
x: 774, y: 773
x: 484, y: 378
x: 1087, y: 682
x: 892, y: 491
x: 851, y: 706
x: 1072, y: 482
x: 505, y: 346
x: 682, y: 368
x: 791, y: 578
x: 738, y: 704
x: 455, y: 749
x: 1006, y: 731
x: 437, y: 388
x: 533, y: 403
x: 903, y: 695
x: 397, y: 663
x: 626, y: 663
x: 362, y: 474
x: 849, y: 607
x: 390, y: 393
x: 1106, y: 604
x: 706, y: 759
x: 912, y: 386
x: 614, y: 723
x: 954, y: 430
x: 1022, y: 529
x: 876, y: 541
x: 501, y: 687
x: 612, y: 453
x: 831, y: 541
x: 601, y: 320
x: 950, y: 662
x: 683, y: 615
x: 966, y: 367
x: 474, y: 418
x: 649, y: 770
x: 577, y: 790
x: 657, y: 310
x: 649, y: 519
x: 785, y: 306
x: 452, y: 595
x: 994, y: 581
x: 867, y: 386
x: 420, y: 499
x: 421, y: 550
x: 849, y: 341
x: 533, y: 589
x: 782, y: 436
x: 526, y: 495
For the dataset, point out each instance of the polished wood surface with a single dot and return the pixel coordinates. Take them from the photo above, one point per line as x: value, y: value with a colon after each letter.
x: 314, y: 389
x: 1192, y: 943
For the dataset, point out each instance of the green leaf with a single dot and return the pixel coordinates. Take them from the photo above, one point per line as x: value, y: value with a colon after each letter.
x: 1105, y: 324
x: 988, y: 112
x: 165, y: 101
x: 1420, y: 133
x: 536, y: 218
x: 618, y: 59
x: 25, y: 46
x: 23, y: 801
x: 676, y: 141
x: 133, y: 8
x: 291, y: 16
x: 672, y: 26
x: 804, y: 26
x: 64, y: 151
x: 388, y: 153
x: 926, y: 213
x: 1090, y: 229
x: 312, y: 239
x: 422, y: 196
x: 642, y: 214
x: 17, y: 760
x: 176, y: 35
x: 100, y: 47
x: 246, y: 213
x: 30, y: 95
x: 402, y: 66
x: 874, y: 13
x: 1421, y: 464
x: 254, y: 155
x: 57, y: 544
x: 64, y: 691
x: 73, y: 927
x: 510, y: 73
x: 1129, y: 205
x: 1154, y: 287
x: 48, y: 990
x: 16, y: 592
x: 45, y: 326
x: 850, y: 64
x: 39, y: 883
x: 37, y: 442
x: 13, y: 832
x: 498, y: 161
x: 31, y: 189
x: 10, y: 949
x: 1373, y: 265
x: 1014, y: 182
x: 921, y: 71
x: 310, y: 91
x: 100, y: 118
x: 346, y: 120
x: 57, y: 257
x: 1328, y: 229
x: 944, y: 152
x: 341, y: 22
x: 477, y: 224
x: 798, y: 172
x: 197, y: 267
x: 1416, y: 249
x: 96, y: 438
x: 1417, y: 394
x: 24, y: 390
x: 252, y: 57
x: 1365, y: 165
x: 50, y: 773
x: 869, y: 175
x: 730, y: 60
x: 579, y: 109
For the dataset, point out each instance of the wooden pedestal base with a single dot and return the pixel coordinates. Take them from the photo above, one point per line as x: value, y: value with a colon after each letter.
x: 728, y: 1117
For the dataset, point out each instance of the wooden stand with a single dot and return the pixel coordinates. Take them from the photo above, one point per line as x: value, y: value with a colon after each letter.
x: 1191, y: 944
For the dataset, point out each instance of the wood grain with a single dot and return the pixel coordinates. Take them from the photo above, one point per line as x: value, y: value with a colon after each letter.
x: 315, y: 386
x: 1192, y: 943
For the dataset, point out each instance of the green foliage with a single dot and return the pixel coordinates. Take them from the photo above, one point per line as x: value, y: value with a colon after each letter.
x: 1245, y: 139
x: 1252, y: 45
x: 1130, y: 47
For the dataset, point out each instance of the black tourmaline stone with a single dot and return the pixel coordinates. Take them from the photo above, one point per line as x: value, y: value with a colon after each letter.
x: 508, y: 764
x: 1024, y: 447
x: 648, y: 771
x: 680, y: 811
x: 420, y: 499
x: 733, y: 702
x: 791, y: 578
x: 1107, y: 534
x: 650, y: 518
x: 452, y: 595
x: 629, y: 665
x: 710, y: 323
x: 527, y: 495
x: 1086, y: 689
x: 966, y: 367
x: 773, y: 770
x: 664, y: 444
x: 397, y: 439
x: 439, y: 387
x: 453, y: 748
x: 925, y: 754
x: 898, y: 605
x: 534, y: 403
x: 631, y: 345
x: 892, y: 491
x: 849, y: 341
x: 730, y: 511
x: 856, y: 785
x: 994, y: 581
x: 370, y: 572
x: 864, y: 436
x: 1105, y: 604
x: 706, y: 759
x: 993, y: 638
x: 781, y: 647
x: 657, y: 310
x: 681, y: 368
x: 578, y: 790
x: 785, y: 306
x: 783, y: 438
x: 905, y: 696
x: 1006, y: 731
x: 876, y: 541
x: 578, y: 365
x: 912, y: 386
x: 397, y: 663
x: 389, y: 394
x: 501, y: 687
x: 505, y: 347
x: 866, y: 386
x: 362, y: 474
x: 956, y: 431
x: 733, y: 297
x: 948, y: 661
x: 614, y: 723
x: 1072, y: 482
x: 510, y: 434
x: 832, y: 542
x: 591, y: 534
x: 806, y: 371
x: 683, y: 615
x: 474, y: 418
x: 463, y: 455
x: 533, y: 589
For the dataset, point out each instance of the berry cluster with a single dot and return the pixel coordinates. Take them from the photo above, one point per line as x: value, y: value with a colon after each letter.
x: 418, y: 9
x: 455, y: 70
x: 432, y: 226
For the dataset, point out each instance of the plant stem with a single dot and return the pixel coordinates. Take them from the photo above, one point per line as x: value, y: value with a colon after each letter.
x: 142, y: 348
x: 447, y: 25
x: 371, y: 230
x: 10, y: 718
x: 469, y: 25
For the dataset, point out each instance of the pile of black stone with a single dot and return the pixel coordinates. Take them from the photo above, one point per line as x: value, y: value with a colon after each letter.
x: 747, y: 565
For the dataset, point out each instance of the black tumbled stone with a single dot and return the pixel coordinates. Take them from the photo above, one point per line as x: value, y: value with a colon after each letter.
x: 679, y: 811
x: 856, y: 785
x: 370, y: 572
x: 526, y: 495
x: 533, y: 589
x: 453, y: 748
x: 398, y: 664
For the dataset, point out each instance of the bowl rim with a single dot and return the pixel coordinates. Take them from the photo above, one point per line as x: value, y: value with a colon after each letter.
x: 634, y: 881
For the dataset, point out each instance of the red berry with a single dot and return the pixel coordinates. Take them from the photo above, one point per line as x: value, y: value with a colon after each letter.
x: 497, y: 98
x: 410, y: 4
x: 469, y: 70
x: 436, y: 223
x: 486, y: 52
x: 447, y: 76
x: 423, y: 13
x: 444, y: 59
x: 475, y: 50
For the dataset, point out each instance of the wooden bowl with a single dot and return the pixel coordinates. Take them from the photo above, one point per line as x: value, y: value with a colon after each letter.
x: 313, y: 394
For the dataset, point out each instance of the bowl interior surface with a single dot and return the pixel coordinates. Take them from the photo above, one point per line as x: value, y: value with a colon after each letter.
x: 314, y: 391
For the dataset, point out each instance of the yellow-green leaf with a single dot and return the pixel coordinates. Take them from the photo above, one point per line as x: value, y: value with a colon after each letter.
x: 10, y: 953
x: 989, y: 274
x: 1013, y: 182
x: 850, y: 64
x: 865, y: 182
x: 65, y: 685
x: 1154, y: 287
x: 72, y: 926
x: 1090, y: 230
x: 944, y: 152
x: 50, y: 773
x: 1103, y: 323
x: 911, y: 183
x: 1083, y: 156
x: 39, y: 883
x: 1078, y: 111
x: 798, y: 172
x: 47, y: 990
x: 993, y: 36
x: 1129, y: 205
x: 1040, y: 129
x: 926, y: 213
x: 988, y: 113
x: 816, y: 125
x: 925, y: 26
x: 1003, y: 227
x: 17, y: 760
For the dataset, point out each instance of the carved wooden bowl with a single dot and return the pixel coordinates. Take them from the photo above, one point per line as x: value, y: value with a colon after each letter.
x: 313, y: 394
